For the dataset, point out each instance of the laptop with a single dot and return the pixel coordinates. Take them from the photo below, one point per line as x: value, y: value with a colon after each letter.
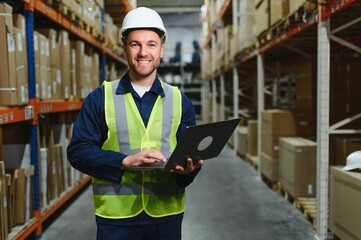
x: 204, y: 141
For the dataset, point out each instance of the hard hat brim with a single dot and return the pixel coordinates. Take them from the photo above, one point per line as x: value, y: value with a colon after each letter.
x: 351, y: 167
x: 160, y: 32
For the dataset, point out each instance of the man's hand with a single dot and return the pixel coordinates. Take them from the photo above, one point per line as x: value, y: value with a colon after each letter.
x: 144, y: 157
x: 190, y: 167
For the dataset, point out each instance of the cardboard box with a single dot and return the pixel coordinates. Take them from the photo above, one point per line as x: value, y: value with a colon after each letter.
x: 1, y: 143
x: 60, y: 168
x: 80, y: 68
x: 42, y: 66
x: 262, y: 19
x: 73, y: 82
x: 277, y: 122
x: 19, y: 22
x: 8, y: 83
x: 278, y: 10
x: 242, y: 140
x: 65, y: 63
x: 305, y: 111
x: 20, y: 193
x: 345, y: 198
x: 252, y: 138
x: 43, y: 173
x: 53, y: 54
x: 38, y: 88
x: 21, y: 77
x: 52, y: 189
x: 9, y: 197
x: 3, y: 203
x: 270, y: 145
x: 269, y: 167
x: 297, y: 166
x: 95, y: 68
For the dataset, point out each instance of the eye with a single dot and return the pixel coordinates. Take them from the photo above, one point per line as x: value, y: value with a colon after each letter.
x: 152, y: 45
x: 134, y: 45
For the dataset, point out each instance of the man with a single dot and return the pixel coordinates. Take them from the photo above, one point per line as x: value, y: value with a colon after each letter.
x: 129, y: 122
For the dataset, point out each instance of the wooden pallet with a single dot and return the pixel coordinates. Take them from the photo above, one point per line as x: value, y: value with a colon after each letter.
x: 252, y: 160
x: 271, y: 184
x: 284, y: 193
x: 309, y: 208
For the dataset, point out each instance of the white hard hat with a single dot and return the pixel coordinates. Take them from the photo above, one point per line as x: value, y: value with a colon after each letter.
x: 142, y: 18
x: 353, y: 161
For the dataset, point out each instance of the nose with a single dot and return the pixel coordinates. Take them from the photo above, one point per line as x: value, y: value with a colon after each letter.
x: 142, y: 51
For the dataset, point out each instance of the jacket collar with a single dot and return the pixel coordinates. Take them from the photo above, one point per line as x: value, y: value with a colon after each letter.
x: 126, y: 87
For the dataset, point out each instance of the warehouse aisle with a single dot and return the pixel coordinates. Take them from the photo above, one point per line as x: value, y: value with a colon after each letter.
x: 227, y: 201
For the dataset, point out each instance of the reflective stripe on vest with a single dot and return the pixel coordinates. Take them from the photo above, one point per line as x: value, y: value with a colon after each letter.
x: 157, y: 193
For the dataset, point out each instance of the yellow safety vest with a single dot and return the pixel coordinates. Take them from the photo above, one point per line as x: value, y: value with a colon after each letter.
x: 154, y: 192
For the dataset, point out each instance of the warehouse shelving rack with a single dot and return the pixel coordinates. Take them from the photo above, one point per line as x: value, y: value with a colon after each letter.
x: 30, y: 112
x: 322, y: 34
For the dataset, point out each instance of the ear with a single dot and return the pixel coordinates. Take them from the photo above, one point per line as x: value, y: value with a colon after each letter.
x: 162, y: 50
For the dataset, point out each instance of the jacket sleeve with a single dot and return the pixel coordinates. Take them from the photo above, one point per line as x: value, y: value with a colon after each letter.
x: 84, y: 150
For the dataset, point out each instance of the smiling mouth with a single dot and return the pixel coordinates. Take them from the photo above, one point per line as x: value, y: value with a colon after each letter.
x: 143, y: 61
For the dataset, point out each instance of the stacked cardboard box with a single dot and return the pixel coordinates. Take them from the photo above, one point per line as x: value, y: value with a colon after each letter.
x: 21, y: 59
x: 247, y: 22
x: 275, y: 123
x: 16, y: 191
x: 8, y: 82
x: 297, y: 166
x: 42, y: 61
x: 345, y: 198
x: 53, y: 55
x: 80, y: 61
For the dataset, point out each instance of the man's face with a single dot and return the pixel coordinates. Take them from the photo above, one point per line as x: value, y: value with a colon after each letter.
x: 144, y: 50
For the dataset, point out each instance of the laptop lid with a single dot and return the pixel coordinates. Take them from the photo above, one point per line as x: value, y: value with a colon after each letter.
x: 202, y: 141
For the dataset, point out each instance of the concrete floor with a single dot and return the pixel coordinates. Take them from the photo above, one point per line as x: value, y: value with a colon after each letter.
x: 227, y: 201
